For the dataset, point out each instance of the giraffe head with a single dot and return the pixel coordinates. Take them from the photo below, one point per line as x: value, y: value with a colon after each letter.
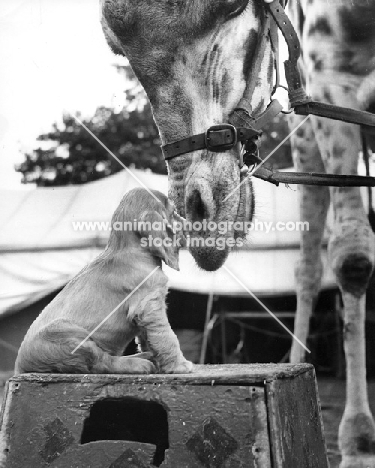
x: 194, y: 58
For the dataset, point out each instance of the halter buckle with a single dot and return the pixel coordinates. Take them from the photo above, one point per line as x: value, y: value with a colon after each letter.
x: 221, y: 137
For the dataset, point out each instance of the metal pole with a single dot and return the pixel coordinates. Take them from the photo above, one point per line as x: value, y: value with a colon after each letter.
x: 206, y: 330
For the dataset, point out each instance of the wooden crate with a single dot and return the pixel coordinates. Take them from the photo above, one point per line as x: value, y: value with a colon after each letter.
x: 227, y: 416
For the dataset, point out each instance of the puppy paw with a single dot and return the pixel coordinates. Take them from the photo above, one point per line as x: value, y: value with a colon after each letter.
x: 183, y: 367
x: 143, y: 366
x: 132, y: 365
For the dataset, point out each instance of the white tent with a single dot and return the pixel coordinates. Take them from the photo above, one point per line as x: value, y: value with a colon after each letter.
x: 40, y: 251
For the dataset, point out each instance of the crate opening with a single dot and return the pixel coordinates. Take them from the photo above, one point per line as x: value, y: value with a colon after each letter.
x: 130, y: 419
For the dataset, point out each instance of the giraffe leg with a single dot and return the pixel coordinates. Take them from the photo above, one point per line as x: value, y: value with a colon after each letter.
x: 351, y: 255
x: 314, y: 202
x: 357, y: 428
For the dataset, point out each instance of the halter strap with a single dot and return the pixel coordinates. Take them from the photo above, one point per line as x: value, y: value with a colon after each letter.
x: 246, y: 127
x: 345, y: 114
x: 217, y: 138
x: 299, y: 100
x: 313, y: 178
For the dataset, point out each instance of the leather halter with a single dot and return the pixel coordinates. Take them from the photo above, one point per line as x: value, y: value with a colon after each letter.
x: 245, y: 126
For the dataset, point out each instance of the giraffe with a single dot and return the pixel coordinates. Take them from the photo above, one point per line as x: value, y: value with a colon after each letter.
x: 194, y: 58
x: 338, y: 43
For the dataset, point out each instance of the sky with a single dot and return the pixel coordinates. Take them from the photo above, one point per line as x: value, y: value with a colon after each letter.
x: 54, y: 59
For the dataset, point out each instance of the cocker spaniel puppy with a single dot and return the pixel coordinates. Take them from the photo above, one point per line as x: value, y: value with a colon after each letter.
x: 142, y: 236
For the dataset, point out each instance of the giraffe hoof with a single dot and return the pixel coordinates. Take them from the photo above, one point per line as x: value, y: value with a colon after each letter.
x: 357, y: 441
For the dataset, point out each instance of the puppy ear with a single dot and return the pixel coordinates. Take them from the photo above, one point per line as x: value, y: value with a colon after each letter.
x: 161, y: 239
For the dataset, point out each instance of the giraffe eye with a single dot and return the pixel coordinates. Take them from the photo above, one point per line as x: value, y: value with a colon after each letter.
x: 238, y: 7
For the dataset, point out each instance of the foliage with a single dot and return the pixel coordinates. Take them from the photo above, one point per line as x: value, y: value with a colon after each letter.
x: 273, y: 134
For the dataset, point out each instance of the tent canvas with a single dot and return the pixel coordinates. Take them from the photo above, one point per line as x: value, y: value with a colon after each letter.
x: 40, y: 251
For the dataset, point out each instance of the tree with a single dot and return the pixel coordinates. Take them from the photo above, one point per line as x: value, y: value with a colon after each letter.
x: 131, y: 136
x: 68, y: 154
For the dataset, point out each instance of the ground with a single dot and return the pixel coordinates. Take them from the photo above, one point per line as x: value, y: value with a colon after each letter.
x: 332, y: 399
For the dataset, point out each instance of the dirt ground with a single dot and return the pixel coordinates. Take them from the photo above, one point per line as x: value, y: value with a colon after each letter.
x: 332, y: 399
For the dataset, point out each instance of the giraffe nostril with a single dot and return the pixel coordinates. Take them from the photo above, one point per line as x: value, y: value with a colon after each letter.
x: 196, y: 207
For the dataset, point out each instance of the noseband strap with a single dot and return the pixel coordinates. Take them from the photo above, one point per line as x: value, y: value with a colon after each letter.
x: 242, y: 129
x: 217, y: 138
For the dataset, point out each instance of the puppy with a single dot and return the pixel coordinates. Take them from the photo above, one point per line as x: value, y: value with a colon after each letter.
x: 57, y: 341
